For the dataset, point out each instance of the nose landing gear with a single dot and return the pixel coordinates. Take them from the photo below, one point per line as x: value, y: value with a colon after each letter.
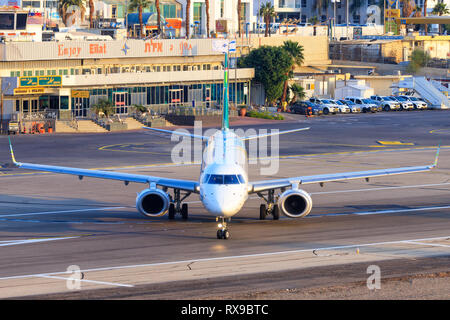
x: 223, y: 232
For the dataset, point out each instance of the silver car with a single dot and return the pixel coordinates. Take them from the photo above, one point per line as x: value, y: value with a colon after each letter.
x: 417, y: 103
x: 405, y: 104
x: 354, y: 108
x: 327, y: 106
x: 343, y: 108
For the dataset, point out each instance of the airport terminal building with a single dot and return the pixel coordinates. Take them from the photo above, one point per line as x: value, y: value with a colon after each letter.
x: 68, y: 77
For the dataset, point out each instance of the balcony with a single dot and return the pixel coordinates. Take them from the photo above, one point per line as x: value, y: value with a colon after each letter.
x: 288, y: 5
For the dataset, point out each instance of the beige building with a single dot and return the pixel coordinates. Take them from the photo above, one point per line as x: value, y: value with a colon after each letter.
x: 68, y: 77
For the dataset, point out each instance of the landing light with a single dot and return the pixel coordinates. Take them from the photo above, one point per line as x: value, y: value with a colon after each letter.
x: 220, y: 225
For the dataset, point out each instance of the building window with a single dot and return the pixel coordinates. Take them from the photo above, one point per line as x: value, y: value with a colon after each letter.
x: 197, y: 17
x: 304, y: 3
x: 356, y: 18
x: 114, y: 11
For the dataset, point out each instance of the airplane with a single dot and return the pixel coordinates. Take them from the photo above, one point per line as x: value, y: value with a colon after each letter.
x: 223, y: 184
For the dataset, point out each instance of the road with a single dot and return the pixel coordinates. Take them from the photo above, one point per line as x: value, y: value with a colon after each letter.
x: 50, y: 222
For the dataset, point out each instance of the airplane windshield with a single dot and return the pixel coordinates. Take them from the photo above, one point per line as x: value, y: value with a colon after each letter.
x: 224, y: 179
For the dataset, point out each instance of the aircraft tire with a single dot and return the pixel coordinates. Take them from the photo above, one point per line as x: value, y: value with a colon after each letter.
x: 171, y: 211
x: 276, y: 212
x: 262, y: 212
x: 184, y: 211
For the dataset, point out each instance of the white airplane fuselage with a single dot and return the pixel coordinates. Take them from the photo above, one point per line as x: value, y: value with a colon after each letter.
x: 223, y: 177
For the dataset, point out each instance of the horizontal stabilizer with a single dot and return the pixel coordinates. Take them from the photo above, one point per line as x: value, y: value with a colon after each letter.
x: 273, y: 134
x: 178, y: 133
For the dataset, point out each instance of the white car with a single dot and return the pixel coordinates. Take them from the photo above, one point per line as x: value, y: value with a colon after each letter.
x: 405, y: 104
x: 417, y: 103
x: 354, y: 108
x: 365, y: 106
x: 387, y: 103
x: 327, y: 106
x: 343, y: 108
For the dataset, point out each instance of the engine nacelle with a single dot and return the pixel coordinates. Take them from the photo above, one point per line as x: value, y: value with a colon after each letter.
x: 153, y: 202
x: 295, y: 203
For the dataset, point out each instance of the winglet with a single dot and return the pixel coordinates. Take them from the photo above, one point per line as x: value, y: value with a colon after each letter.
x: 437, y: 156
x: 12, y: 152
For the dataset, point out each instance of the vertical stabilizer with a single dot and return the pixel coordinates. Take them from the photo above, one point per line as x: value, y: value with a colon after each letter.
x: 225, y: 110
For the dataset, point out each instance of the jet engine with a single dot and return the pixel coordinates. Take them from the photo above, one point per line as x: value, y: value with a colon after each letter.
x: 153, y: 202
x: 295, y: 203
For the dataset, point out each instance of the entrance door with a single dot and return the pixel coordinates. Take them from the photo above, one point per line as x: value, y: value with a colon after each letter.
x: 80, y: 107
x: 176, y: 97
x: 120, y: 102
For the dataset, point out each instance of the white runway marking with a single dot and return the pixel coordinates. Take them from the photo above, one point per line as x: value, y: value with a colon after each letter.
x: 235, y: 257
x: 28, y: 241
x: 383, y: 188
x: 90, y: 281
x: 55, y: 212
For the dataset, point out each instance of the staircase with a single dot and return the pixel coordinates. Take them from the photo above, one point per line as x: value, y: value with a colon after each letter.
x: 89, y: 126
x: 426, y: 90
x: 133, y: 124
x: 64, y: 127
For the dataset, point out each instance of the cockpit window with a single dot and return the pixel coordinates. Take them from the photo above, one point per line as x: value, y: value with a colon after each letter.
x: 241, y: 178
x: 225, y: 179
x: 206, y: 178
x: 216, y: 179
x: 230, y: 179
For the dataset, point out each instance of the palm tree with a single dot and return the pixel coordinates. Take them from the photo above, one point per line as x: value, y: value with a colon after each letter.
x: 158, y: 18
x: 295, y: 51
x: 91, y: 14
x: 140, y: 5
x: 207, y: 17
x: 64, y: 6
x: 267, y: 11
x: 239, y: 17
x: 425, y: 3
x: 417, y: 12
x: 320, y: 5
x: 408, y: 8
x: 440, y: 9
x: 188, y: 20
x: 298, y: 91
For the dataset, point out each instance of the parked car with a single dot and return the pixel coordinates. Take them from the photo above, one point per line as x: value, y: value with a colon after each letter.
x: 365, y: 106
x: 301, y: 107
x: 327, y: 106
x: 417, y: 103
x: 370, y: 101
x: 386, y: 103
x: 405, y: 104
x: 354, y: 108
x: 343, y: 108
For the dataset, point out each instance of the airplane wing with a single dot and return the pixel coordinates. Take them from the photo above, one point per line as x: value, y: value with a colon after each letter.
x: 265, y: 185
x: 185, y: 185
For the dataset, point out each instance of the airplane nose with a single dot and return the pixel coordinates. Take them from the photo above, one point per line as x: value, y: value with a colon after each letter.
x: 219, y: 204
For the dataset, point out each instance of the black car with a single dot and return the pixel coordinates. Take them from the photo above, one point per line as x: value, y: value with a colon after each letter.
x: 301, y: 107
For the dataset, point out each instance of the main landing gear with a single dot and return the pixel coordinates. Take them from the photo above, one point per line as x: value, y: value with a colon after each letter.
x: 271, y: 208
x: 223, y: 232
x: 177, y: 207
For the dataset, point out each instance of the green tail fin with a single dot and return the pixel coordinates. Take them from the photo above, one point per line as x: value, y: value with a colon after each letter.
x: 225, y: 111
